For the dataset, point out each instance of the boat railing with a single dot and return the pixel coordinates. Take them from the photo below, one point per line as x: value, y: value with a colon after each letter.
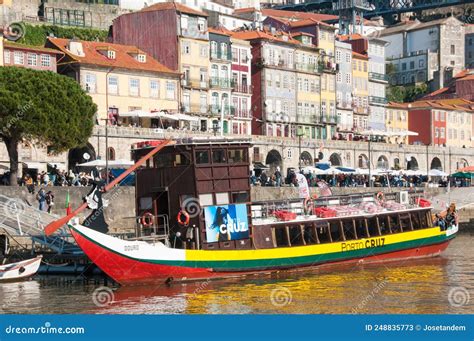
x: 158, y: 230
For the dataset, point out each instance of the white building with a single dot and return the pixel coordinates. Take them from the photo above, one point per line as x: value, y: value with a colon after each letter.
x: 377, y: 84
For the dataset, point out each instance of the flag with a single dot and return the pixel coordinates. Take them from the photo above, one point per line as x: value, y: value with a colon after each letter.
x: 68, y: 204
x: 303, y: 188
x: 324, y: 189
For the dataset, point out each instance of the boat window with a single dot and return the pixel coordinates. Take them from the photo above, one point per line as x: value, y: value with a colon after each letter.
x: 336, y: 231
x: 360, y: 228
x: 181, y: 159
x: 205, y: 200
x: 415, y: 219
x: 218, y: 156
x: 429, y: 220
x: 240, y: 197
x: 323, y: 233
x: 222, y: 198
x: 405, y: 223
x: 383, y: 225
x: 423, y: 222
x: 164, y: 160
x: 146, y: 203
x: 309, y: 233
x: 348, y: 227
x: 281, y: 237
x: 202, y: 157
x: 394, y: 223
x: 296, y: 237
x: 237, y: 155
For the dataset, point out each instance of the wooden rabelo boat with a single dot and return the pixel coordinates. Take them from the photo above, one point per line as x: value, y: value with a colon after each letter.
x: 195, y: 221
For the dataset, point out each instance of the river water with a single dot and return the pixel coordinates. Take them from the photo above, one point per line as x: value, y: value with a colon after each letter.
x: 435, y: 286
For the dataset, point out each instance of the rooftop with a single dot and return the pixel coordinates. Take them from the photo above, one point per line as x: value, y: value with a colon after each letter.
x: 13, y: 45
x: 124, y: 56
x: 173, y: 5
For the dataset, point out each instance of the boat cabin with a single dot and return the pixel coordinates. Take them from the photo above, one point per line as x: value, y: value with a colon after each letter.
x: 189, y: 189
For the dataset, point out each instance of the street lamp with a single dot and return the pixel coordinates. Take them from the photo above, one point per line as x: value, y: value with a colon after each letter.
x: 300, y: 134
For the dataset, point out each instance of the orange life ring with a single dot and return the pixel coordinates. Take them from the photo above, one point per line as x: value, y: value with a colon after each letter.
x: 380, y: 197
x: 182, y: 213
x: 147, y: 219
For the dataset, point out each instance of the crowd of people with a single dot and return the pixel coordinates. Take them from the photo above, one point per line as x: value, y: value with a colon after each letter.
x: 275, y: 179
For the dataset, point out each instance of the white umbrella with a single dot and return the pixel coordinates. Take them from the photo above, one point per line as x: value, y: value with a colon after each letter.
x: 405, y: 133
x: 437, y: 172
x: 120, y: 164
x: 332, y: 171
x: 140, y: 114
x: 373, y: 132
x: 313, y: 170
x: 183, y: 117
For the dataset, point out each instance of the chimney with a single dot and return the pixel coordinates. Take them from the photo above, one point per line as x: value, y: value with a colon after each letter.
x: 75, y: 47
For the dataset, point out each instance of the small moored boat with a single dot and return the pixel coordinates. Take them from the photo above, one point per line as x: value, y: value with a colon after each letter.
x: 20, y: 270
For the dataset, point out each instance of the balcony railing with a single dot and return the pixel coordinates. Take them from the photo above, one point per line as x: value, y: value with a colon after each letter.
x: 197, y: 109
x: 309, y: 119
x: 223, y: 83
x: 220, y: 56
x: 242, y: 88
x: 228, y: 110
x: 378, y: 76
x: 361, y: 110
x: 306, y: 67
x: 239, y: 113
x: 327, y: 66
x: 328, y: 119
x: 377, y: 100
x: 194, y: 83
x: 344, y: 104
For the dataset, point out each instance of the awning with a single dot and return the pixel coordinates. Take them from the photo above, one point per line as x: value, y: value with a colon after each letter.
x: 259, y: 165
x: 467, y: 169
x: 140, y: 114
x: 183, y: 117
x: 346, y: 169
x: 112, y: 164
x: 323, y: 165
x: 437, y: 172
x: 33, y: 165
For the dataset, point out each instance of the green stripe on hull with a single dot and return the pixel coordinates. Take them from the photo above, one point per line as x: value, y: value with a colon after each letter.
x: 262, y: 264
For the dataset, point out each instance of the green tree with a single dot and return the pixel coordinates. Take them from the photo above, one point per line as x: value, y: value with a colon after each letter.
x: 44, y: 107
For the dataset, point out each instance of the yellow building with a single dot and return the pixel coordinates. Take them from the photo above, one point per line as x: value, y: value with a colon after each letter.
x: 119, y: 78
x: 396, y: 121
x: 360, y: 86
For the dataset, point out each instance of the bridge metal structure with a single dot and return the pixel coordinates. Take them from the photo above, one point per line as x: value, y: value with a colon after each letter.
x: 383, y: 8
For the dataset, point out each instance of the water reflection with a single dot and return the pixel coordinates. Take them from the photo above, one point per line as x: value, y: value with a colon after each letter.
x: 400, y: 287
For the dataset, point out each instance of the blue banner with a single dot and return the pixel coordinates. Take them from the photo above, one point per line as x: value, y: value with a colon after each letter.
x: 226, y: 222
x: 255, y: 327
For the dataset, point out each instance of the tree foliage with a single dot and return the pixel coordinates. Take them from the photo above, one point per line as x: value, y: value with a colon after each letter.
x: 37, y: 34
x: 403, y: 94
x: 44, y: 107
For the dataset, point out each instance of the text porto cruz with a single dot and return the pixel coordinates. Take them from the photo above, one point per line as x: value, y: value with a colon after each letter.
x: 363, y: 244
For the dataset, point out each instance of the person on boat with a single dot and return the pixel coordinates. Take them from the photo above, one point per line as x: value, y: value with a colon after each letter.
x: 451, y: 215
x: 41, y: 197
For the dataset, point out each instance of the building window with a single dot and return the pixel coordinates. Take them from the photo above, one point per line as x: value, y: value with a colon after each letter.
x: 244, y: 57
x: 113, y: 85
x: 442, y: 133
x: 18, y: 58
x: 365, y: 66
x: 421, y: 63
x: 203, y: 102
x: 203, y: 51
x: 170, y: 90
x: 111, y: 54
x: 141, y: 58
x: 6, y: 57
x: 338, y: 77
x: 404, y: 66
x: 134, y: 87
x: 453, y: 49
x: 348, y: 57
x: 32, y: 59
x: 154, y: 88
x: 185, y: 47
x: 91, y: 83
x: 213, y: 49
x: 224, y: 50
x: 412, y: 65
x: 235, y: 55
x: 201, y: 25
x: 338, y: 56
x: 45, y: 60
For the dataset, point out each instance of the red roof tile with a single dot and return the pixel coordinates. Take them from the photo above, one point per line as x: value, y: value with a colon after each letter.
x: 123, y: 56
x: 173, y: 5
x: 298, y: 15
x: 359, y: 55
x: 13, y: 45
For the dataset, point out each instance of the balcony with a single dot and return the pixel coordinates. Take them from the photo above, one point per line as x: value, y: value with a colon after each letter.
x: 242, y: 88
x: 312, y: 68
x: 328, y: 119
x: 239, y: 113
x: 219, y: 56
x: 215, y: 110
x: 360, y: 110
x: 195, y: 109
x: 194, y: 83
x: 327, y: 66
x: 374, y: 76
x: 344, y: 104
x: 221, y: 83
x: 377, y: 100
x: 307, y: 119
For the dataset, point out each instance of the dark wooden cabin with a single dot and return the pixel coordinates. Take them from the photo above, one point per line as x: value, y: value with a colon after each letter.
x: 191, y: 175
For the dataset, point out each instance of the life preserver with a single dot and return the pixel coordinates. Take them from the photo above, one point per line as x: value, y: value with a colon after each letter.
x: 380, y: 197
x: 184, y: 214
x: 308, y: 206
x: 147, y: 219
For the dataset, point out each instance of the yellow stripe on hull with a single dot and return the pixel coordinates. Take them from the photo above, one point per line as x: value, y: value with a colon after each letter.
x: 317, y: 249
